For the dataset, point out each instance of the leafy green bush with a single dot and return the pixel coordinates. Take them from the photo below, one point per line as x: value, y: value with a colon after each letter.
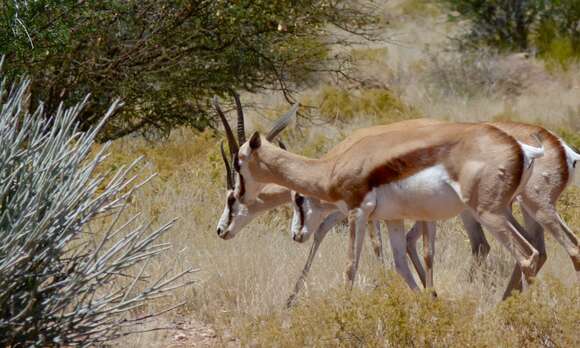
x: 165, y: 58
x: 550, y: 27
x: 558, y: 34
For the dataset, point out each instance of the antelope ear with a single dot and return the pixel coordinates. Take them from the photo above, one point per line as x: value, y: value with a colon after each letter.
x: 255, y: 141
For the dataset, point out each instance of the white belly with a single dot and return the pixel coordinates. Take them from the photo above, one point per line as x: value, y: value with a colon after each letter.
x: 427, y: 195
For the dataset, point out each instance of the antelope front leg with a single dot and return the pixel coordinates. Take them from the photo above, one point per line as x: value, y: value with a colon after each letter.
x: 429, y: 253
x: 412, y: 237
x: 377, y: 241
x: 357, y: 226
x: 319, y: 235
x: 357, y: 223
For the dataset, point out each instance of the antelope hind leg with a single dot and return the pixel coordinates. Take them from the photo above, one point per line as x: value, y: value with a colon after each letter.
x: 399, y: 247
x: 511, y: 238
x: 412, y: 237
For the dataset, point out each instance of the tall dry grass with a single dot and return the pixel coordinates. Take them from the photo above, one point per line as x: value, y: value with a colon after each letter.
x: 244, y: 282
x: 249, y: 278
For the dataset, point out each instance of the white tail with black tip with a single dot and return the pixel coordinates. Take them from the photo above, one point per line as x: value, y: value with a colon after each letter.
x: 573, y: 160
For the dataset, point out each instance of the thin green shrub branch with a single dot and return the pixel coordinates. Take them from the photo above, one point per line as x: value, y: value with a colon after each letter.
x: 60, y: 284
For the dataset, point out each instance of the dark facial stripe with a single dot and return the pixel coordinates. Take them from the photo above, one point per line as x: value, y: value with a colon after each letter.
x: 237, y: 169
x: 231, y: 201
x: 299, y: 202
x: 242, y: 186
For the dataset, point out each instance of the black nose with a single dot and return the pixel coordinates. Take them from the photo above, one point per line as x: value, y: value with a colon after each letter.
x: 219, y: 231
x: 297, y: 237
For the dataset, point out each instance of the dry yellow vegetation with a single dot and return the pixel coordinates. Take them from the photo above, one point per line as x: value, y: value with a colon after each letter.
x: 244, y: 282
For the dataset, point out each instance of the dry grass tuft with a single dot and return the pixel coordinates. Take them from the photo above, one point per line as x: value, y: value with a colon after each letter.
x: 391, y: 315
x: 378, y: 104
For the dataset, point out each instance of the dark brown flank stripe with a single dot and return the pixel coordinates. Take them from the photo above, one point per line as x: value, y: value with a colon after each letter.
x: 395, y: 169
x: 406, y: 165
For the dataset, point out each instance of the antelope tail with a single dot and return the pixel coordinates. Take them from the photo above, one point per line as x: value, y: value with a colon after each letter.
x: 532, y: 152
x: 572, y: 155
x: 573, y: 159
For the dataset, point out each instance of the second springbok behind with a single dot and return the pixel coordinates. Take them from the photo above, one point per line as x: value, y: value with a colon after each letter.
x: 550, y: 175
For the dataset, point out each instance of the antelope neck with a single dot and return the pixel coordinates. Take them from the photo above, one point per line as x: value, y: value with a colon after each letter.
x: 298, y: 173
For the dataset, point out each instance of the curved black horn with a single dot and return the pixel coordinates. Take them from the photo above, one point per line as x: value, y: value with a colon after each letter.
x: 229, y: 181
x: 229, y: 134
x: 282, y: 123
x: 241, y: 128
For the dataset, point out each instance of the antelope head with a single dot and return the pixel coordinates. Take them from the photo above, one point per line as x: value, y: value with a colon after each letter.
x: 243, y: 201
x: 234, y: 216
x: 250, y: 164
x: 309, y: 214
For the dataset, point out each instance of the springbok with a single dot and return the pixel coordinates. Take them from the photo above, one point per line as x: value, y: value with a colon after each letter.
x: 234, y: 219
x: 425, y: 173
x: 550, y: 175
x: 236, y: 216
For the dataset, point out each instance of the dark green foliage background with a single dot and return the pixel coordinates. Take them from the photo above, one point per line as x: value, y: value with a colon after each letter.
x: 165, y: 58
x: 551, y: 27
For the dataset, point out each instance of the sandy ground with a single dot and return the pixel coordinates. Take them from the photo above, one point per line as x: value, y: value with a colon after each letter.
x: 177, y: 332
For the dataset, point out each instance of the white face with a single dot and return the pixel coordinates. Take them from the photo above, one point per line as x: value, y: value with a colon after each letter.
x: 309, y: 214
x: 237, y: 212
x: 234, y: 217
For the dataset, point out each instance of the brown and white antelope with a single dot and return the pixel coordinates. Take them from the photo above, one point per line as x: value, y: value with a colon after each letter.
x: 550, y: 175
x: 236, y: 216
x: 425, y: 173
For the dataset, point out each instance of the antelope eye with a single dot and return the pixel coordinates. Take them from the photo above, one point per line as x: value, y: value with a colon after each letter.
x: 231, y: 200
x: 299, y: 200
